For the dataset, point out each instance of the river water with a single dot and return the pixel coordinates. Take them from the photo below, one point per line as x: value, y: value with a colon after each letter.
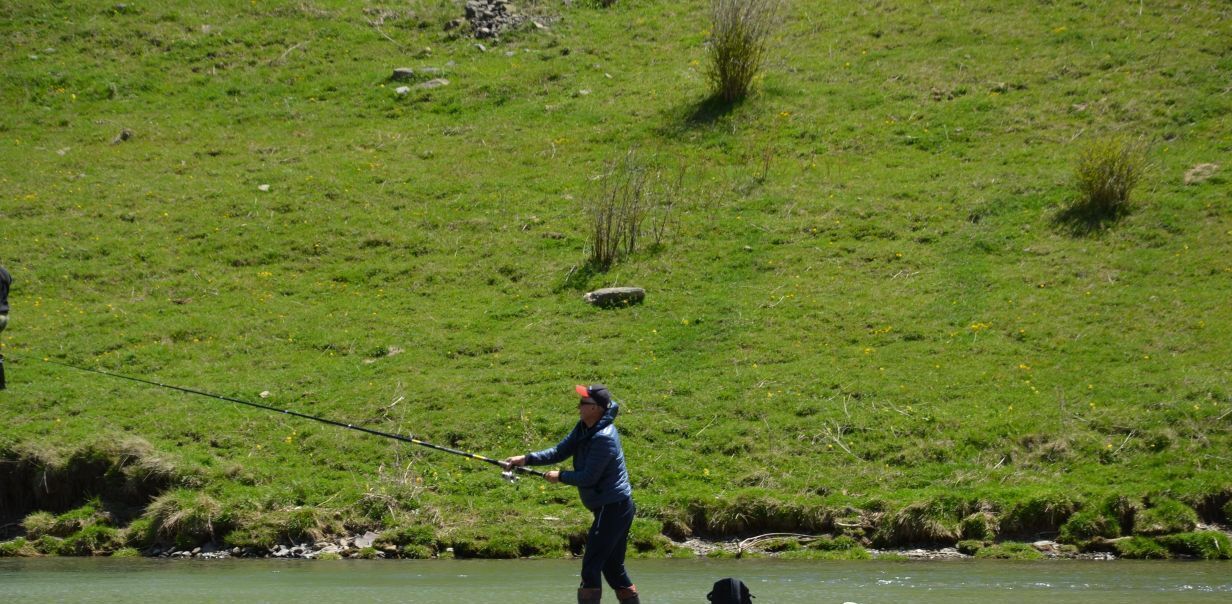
x: 553, y: 581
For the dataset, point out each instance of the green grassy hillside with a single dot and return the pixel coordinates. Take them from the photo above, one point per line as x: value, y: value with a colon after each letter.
x: 869, y: 315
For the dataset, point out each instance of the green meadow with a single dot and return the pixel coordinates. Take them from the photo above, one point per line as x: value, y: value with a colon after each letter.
x: 869, y: 316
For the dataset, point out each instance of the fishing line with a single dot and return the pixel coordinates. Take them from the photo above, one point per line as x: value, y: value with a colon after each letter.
x: 508, y: 474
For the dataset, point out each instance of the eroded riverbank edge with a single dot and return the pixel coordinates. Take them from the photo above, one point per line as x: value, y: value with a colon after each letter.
x: 761, y: 547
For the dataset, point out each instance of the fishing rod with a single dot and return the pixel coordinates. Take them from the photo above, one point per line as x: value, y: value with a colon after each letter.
x: 507, y: 474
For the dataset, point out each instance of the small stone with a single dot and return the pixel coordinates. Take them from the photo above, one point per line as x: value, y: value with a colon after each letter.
x: 584, y: 92
x: 263, y: 188
x: 616, y: 296
x: 480, y: 47
x: 434, y: 83
x: 402, y: 74
x: 124, y: 135
x: 402, y: 90
x: 365, y: 540
x: 264, y: 394
x: 1047, y: 547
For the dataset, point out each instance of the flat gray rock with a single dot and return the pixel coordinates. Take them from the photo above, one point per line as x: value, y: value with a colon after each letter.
x: 611, y: 297
x: 366, y: 539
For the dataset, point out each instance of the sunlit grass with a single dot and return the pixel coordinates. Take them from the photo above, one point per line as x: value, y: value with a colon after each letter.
x: 868, y: 300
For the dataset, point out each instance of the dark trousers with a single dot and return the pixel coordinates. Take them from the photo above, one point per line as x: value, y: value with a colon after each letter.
x: 605, y: 546
x: 4, y: 322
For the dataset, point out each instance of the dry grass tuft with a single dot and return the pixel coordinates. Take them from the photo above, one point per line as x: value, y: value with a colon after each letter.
x: 1108, y: 169
x: 186, y: 518
x: 740, y: 30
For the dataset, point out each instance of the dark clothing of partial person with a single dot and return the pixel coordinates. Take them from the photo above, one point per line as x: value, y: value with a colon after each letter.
x: 5, y: 281
x: 602, y: 481
x: 606, y: 543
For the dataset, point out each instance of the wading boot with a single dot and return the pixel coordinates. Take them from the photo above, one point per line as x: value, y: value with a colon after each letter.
x: 628, y: 595
x: 1, y: 372
x: 589, y: 595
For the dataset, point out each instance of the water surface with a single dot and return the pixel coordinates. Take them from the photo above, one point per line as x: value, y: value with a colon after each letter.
x: 661, y: 581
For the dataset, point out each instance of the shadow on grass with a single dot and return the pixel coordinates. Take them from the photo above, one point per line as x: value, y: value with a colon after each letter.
x: 698, y: 114
x: 578, y: 278
x: 1084, y: 220
x: 709, y: 110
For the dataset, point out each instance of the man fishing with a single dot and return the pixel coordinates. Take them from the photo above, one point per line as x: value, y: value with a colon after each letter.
x: 5, y: 281
x: 603, y: 483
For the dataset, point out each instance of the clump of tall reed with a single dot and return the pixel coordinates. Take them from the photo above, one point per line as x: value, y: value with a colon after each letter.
x: 740, y: 30
x: 1106, y: 173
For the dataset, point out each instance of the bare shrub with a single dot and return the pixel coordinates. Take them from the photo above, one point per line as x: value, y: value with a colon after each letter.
x: 1108, y: 169
x: 739, y: 32
x: 631, y: 193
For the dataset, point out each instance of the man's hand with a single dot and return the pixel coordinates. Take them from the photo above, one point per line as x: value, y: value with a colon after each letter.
x: 509, y: 462
x: 553, y: 476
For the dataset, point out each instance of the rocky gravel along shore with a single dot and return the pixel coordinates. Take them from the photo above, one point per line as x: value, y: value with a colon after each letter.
x: 357, y: 546
x: 366, y: 546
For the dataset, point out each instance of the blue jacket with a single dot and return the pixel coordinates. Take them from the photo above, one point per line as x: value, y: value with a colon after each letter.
x: 599, y: 471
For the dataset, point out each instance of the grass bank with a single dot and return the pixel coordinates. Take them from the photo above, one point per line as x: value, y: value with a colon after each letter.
x: 870, y: 317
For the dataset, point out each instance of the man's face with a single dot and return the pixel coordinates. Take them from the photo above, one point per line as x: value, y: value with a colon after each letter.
x: 589, y: 412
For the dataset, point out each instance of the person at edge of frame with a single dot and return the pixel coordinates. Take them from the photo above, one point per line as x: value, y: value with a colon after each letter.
x: 5, y: 281
x: 602, y: 481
